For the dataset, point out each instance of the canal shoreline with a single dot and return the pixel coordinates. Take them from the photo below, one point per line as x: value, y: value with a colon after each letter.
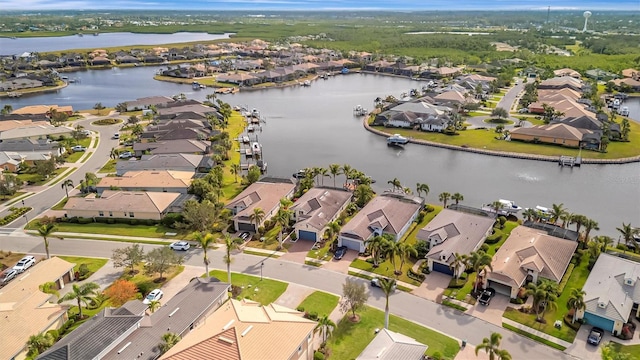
x: 513, y: 155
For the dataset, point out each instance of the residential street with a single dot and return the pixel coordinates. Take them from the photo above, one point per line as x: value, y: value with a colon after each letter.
x: 406, y: 305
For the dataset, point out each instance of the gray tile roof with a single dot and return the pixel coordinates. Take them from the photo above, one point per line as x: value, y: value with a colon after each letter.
x: 318, y: 206
x: 179, y: 162
x: 612, y: 283
x: 389, y: 345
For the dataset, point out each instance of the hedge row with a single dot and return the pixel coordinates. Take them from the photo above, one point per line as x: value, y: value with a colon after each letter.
x: 415, y: 276
x: 565, y: 278
x: 107, y: 220
x: 15, y: 213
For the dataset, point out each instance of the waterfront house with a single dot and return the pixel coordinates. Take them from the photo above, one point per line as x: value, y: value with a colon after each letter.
x: 19, y: 84
x: 246, y: 330
x: 36, y: 132
x: 43, y: 110
x: 558, y: 134
x: 631, y: 73
x: 612, y: 293
x: 264, y: 194
x: 129, y: 332
x: 599, y: 74
x: 27, y: 311
x: 187, y: 146
x: 450, y: 233
x: 557, y: 83
x: 176, y: 162
x: 316, y: 208
x: 147, y: 102
x: 389, y: 345
x: 632, y: 83
x: 526, y: 256
x: 139, y: 205
x: 127, y: 59
x: 434, y: 123
x: 242, y: 79
x: 154, y: 181
x: 389, y: 213
x: 100, y: 61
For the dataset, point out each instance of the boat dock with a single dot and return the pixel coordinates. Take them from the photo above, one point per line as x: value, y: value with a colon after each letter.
x: 569, y: 161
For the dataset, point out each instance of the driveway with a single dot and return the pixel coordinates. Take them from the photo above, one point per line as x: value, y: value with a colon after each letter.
x: 582, y: 350
x: 294, y: 295
x: 171, y: 288
x: 342, y: 266
x: 298, y: 250
x: 433, y: 286
x: 493, y: 312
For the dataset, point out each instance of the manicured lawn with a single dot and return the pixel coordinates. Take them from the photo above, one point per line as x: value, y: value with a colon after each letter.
x: 60, y: 205
x: 109, y: 167
x: 231, y: 187
x: 270, y: 241
x: 349, y: 339
x: 386, y: 269
x: 322, y: 253
x: 632, y: 350
x: 411, y: 237
x: 74, y: 156
x: 94, y: 264
x: 157, y: 231
x: 36, y: 179
x: 9, y: 198
x: 463, y: 293
x: 145, y: 282
x: 508, y: 227
x: 533, y: 337
x: 321, y: 303
x: 264, y: 291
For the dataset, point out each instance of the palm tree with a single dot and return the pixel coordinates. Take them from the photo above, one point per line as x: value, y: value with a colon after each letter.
x: 566, y: 218
x: 457, y: 197
x: 459, y: 260
x: 579, y: 220
x: 444, y: 197
x: 66, y: 185
x: 627, y: 233
x: 395, y: 184
x: 168, y: 341
x: 333, y: 228
x: 45, y: 231
x: 388, y: 286
x: 479, y: 260
x: 576, y: 302
x: 205, y: 241
x: 391, y: 252
x: 113, y: 154
x: 589, y: 225
x: 230, y: 244
x: 377, y: 246
x: 283, y: 217
x: 544, y: 296
x: 235, y: 170
x: 256, y: 217
x: 6, y: 110
x: 334, y: 170
x: 154, y: 305
x: 529, y: 214
x: 325, y: 326
x: 491, y: 346
x: 420, y: 188
x: 604, y: 241
x: 496, y: 206
x: 50, y: 287
x: 347, y: 170
x: 82, y: 294
x: 556, y: 212
x: 406, y: 251
x: 38, y: 344
x: 322, y: 173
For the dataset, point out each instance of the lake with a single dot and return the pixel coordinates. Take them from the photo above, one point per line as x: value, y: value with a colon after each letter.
x: 314, y: 126
x: 89, y: 41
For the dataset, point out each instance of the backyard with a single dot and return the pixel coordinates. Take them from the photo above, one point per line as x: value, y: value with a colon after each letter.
x: 264, y: 291
x: 349, y: 339
x: 321, y: 303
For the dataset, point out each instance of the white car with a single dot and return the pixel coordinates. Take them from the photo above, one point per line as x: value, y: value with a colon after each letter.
x: 78, y: 148
x: 25, y: 263
x: 155, y: 295
x: 9, y: 275
x: 180, y: 245
x: 85, y: 132
x: 126, y: 155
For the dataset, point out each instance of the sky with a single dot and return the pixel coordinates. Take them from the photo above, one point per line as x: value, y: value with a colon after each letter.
x: 256, y: 5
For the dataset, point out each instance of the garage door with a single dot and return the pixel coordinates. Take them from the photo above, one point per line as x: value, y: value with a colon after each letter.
x: 351, y: 244
x: 595, y: 320
x: 500, y: 288
x: 246, y: 227
x: 445, y: 269
x: 306, y: 235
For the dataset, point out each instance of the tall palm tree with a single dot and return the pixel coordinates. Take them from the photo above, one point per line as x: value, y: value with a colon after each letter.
x: 496, y: 206
x: 576, y: 302
x: 45, y: 231
x: 322, y: 173
x: 283, y: 217
x: 391, y: 252
x: 377, y: 246
x: 82, y: 294
x: 325, y: 327
x: 388, y: 286
x: 566, y: 218
x: 256, y: 217
x: 556, y: 211
x: 406, y: 251
x: 395, y: 184
x: 168, y: 341
x: 37, y: 344
x: 444, y: 197
x: 205, y: 240
x: 66, y: 185
x: 544, y: 296
x: 589, y: 225
x: 333, y: 228
x: 113, y: 154
x: 579, y: 220
x: 627, y: 233
x: 459, y: 261
x: 604, y: 242
x: 422, y: 188
x: 457, y: 197
x: 346, y: 171
x: 235, y: 170
x: 154, y: 305
x: 479, y: 260
x: 491, y: 346
x: 334, y: 170
x: 230, y: 244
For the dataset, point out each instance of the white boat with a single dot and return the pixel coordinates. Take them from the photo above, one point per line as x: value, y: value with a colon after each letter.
x: 306, y: 83
x: 358, y: 110
x: 624, y: 111
x: 255, y: 147
x: 251, y: 128
x: 300, y: 174
x: 508, y: 207
x: 195, y: 85
x: 397, y: 139
x: 616, y: 103
x: 255, y: 113
x: 245, y: 139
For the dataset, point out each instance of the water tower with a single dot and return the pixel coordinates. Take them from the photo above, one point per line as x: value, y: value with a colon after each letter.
x: 587, y: 15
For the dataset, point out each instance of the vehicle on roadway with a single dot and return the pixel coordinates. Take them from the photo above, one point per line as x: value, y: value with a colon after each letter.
x: 154, y: 295
x: 180, y: 245
x: 375, y: 282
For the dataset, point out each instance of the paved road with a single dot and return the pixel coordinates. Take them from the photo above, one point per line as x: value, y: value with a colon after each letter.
x: 510, y: 97
x: 405, y: 305
x: 44, y: 200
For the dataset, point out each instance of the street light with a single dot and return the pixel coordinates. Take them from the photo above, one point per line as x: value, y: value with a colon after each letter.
x: 261, y: 267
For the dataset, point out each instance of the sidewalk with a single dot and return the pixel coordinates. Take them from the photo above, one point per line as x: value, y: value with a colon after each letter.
x: 372, y: 275
x: 537, y: 333
x: 264, y: 251
x: 104, y: 277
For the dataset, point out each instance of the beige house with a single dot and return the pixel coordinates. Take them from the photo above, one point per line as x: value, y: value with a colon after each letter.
x: 43, y: 110
x: 155, y: 181
x: 264, y: 194
x: 389, y: 213
x: 246, y: 330
x: 36, y: 132
x: 316, y: 208
x: 526, y: 256
x: 559, y: 134
x: 26, y: 311
x: 122, y: 204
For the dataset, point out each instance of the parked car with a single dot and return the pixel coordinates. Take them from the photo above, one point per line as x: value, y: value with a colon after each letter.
x: 180, y: 245
x: 78, y: 148
x: 154, y: 295
x: 125, y: 155
x: 9, y: 275
x: 24, y: 263
x: 375, y: 282
x: 595, y: 336
x: 339, y: 254
x: 484, y: 298
x: 116, y: 136
x: 85, y: 132
x: 244, y: 235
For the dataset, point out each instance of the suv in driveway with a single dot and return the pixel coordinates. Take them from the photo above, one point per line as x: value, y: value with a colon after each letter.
x: 339, y: 254
x: 595, y: 336
x: 24, y: 263
x: 485, y: 297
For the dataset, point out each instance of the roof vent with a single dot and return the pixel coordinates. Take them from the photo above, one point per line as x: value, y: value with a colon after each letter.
x: 226, y: 339
x: 246, y: 331
x: 602, y: 304
x: 124, y: 347
x: 228, y: 324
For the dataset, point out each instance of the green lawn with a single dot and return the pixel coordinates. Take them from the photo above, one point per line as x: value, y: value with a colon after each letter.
x: 36, y: 179
x: 94, y: 264
x: 349, y: 339
x: 270, y: 241
x: 14, y: 196
x: 508, y: 227
x: 321, y: 303
x: 74, y: 156
x: 109, y: 167
x: 157, y: 231
x: 632, y: 350
x: 386, y: 269
x: 461, y: 293
x: 264, y: 291
x: 322, y: 253
x: 411, y: 237
x: 145, y: 282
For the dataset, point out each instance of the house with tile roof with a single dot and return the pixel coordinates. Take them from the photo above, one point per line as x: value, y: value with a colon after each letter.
x: 567, y: 72
x: 264, y: 194
x: 26, y: 311
x: 36, y: 132
x: 612, y: 293
x: 175, y: 162
x: 316, y: 208
x: 389, y: 213
x: 177, y: 146
x: 453, y: 232
x: 558, y: 134
x: 43, y: 110
x: 246, y: 330
x: 389, y: 345
x: 131, y: 333
x: 154, y: 181
x: 526, y: 256
x: 122, y: 204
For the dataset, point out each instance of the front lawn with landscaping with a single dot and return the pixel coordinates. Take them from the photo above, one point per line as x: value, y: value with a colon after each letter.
x: 148, y: 282
x: 349, y: 339
x: 90, y: 264
x: 632, y: 350
x: 109, y: 167
x: 150, y: 231
x: 264, y: 291
x: 36, y: 179
x: 320, y: 303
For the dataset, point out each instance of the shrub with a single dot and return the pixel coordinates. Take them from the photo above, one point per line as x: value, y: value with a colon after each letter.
x: 494, y: 238
x: 171, y: 219
x: 300, y: 308
x: 422, y: 248
x: 415, y: 276
x: 145, y: 287
x: 83, y: 220
x: 313, y: 315
x: 437, y: 356
x: 55, y: 335
x: 369, y: 260
x: 318, y: 356
x: 518, y: 301
x: 565, y: 278
x: 133, y: 221
x: 83, y: 271
x: 484, y: 247
x: 457, y: 283
x: 235, y: 291
x: 294, y: 236
x: 569, y: 318
x: 430, y: 208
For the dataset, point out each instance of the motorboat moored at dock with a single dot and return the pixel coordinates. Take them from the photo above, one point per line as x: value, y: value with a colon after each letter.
x: 397, y: 139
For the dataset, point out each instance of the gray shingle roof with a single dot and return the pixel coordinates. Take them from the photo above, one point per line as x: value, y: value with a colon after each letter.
x: 389, y: 345
x: 319, y: 206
